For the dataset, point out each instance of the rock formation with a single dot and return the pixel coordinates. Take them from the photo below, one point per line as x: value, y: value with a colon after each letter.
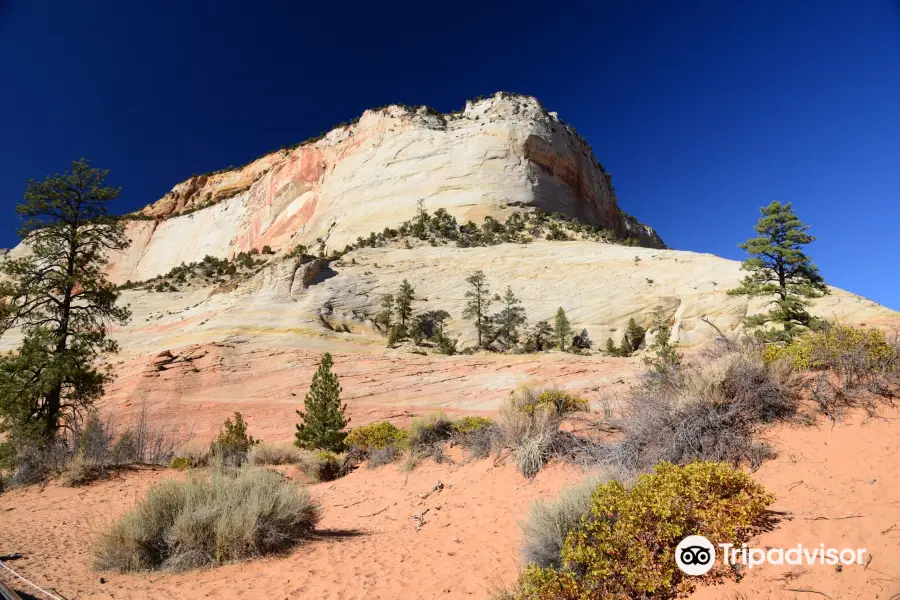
x: 496, y: 156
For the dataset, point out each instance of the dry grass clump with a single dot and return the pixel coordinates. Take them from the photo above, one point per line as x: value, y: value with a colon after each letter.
x: 529, y: 428
x: 550, y: 521
x: 479, y: 435
x: 209, y: 518
x: 324, y: 465
x: 90, y: 449
x: 267, y: 453
x: 709, y: 412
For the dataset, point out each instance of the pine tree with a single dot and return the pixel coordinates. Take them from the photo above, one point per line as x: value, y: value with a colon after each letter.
x: 479, y: 299
x: 634, y: 337
x: 385, y: 318
x: 60, y: 298
x: 563, y: 329
x: 779, y: 268
x: 540, y: 334
x: 405, y: 296
x: 582, y: 341
x: 324, y: 419
x: 665, y: 352
x: 509, y: 319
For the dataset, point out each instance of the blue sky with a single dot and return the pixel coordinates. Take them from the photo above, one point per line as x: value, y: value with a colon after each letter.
x: 702, y: 111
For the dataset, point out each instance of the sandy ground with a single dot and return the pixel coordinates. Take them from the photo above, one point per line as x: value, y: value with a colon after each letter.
x: 837, y: 485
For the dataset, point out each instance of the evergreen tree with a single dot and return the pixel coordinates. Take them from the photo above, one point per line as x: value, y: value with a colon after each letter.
x: 611, y: 347
x: 324, y: 419
x: 563, y: 329
x: 420, y: 221
x: 477, y: 303
x: 582, y: 341
x: 634, y: 337
x: 665, y: 351
x: 509, y: 319
x: 404, y: 304
x: 60, y: 298
x: 540, y: 335
x: 779, y: 268
x: 385, y: 317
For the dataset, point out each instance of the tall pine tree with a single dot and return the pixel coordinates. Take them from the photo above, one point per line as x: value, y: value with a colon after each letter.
x: 60, y: 298
x: 509, y: 319
x: 324, y: 419
x: 563, y: 329
x: 779, y: 269
x: 478, y: 299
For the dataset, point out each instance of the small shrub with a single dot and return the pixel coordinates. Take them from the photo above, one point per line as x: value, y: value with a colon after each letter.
x: 563, y: 401
x: 376, y: 436
x: 479, y: 435
x: 428, y: 430
x: 624, y: 547
x: 384, y: 456
x: 233, y: 441
x: 210, y: 518
x: 550, y: 521
x: 273, y: 454
x: 529, y: 428
x: 323, y: 465
x: 859, y: 356
x: 180, y: 463
x: 709, y: 413
x: 76, y: 472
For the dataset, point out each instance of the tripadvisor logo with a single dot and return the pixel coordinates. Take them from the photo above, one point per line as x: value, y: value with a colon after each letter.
x: 695, y: 555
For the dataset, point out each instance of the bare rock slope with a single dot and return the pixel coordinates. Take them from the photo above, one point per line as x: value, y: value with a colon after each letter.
x: 252, y: 342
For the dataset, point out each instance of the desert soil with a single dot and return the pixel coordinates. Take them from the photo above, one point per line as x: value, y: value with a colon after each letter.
x: 837, y: 484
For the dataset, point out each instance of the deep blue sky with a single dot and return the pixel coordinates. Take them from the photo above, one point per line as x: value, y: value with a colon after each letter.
x: 702, y: 111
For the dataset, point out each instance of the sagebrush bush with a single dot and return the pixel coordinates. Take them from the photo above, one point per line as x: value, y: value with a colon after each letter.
x: 713, y: 412
x: 266, y: 453
x: 375, y: 436
x: 428, y: 430
x: 529, y: 428
x: 479, y: 435
x: 624, y: 547
x: 550, y: 521
x: 323, y: 465
x: 209, y: 518
x: 384, y: 456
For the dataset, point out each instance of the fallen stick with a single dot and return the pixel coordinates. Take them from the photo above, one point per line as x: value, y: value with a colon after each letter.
x: 807, y: 591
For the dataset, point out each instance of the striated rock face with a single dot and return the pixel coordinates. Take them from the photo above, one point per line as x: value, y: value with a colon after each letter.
x: 495, y: 156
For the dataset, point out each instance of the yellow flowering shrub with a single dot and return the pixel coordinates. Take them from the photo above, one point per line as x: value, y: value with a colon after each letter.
x: 625, y: 546
x: 375, y: 436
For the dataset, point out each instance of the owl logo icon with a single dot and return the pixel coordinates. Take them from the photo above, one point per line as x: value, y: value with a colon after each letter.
x: 695, y: 555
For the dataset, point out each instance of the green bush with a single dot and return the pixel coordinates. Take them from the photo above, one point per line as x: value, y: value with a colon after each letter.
x: 180, y: 463
x: 375, y: 436
x: 209, y: 518
x: 233, y: 441
x: 563, y: 401
x: 625, y: 546
x: 471, y: 424
x: 835, y: 347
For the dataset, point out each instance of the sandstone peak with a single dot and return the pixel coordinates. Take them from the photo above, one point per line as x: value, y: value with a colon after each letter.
x: 498, y: 155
